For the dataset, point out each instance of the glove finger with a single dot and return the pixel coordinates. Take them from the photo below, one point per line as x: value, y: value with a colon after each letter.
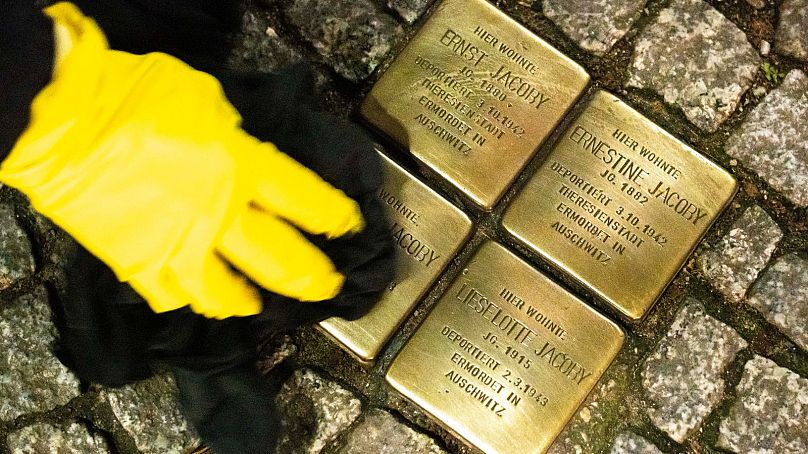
x: 277, y: 256
x: 299, y: 195
x: 221, y: 292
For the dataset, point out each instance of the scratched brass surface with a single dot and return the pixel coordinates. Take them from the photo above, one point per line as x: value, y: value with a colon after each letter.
x: 506, y: 356
x: 473, y: 95
x: 427, y: 231
x: 619, y: 204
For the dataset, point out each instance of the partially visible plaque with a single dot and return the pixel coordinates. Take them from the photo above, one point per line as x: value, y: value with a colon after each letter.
x: 506, y: 356
x: 473, y: 95
x: 427, y: 231
x: 619, y: 204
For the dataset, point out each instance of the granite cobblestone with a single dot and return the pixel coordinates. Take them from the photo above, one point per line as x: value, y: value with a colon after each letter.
x: 70, y: 438
x: 770, y: 415
x: 410, y: 10
x: 734, y: 264
x: 352, y: 35
x: 16, y: 258
x: 316, y: 411
x: 696, y: 59
x: 258, y: 46
x: 683, y: 377
x: 792, y: 30
x: 781, y: 295
x: 150, y: 412
x: 629, y: 443
x: 31, y: 378
x: 594, y: 24
x: 773, y: 140
x: 381, y: 433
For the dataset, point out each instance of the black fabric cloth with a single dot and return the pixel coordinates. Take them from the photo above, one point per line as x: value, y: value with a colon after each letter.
x: 26, y: 63
x: 193, y: 30
x: 108, y: 333
x: 111, y: 337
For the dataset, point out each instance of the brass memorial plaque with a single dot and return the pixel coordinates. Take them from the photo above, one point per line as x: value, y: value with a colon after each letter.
x: 473, y: 95
x: 619, y: 204
x: 427, y: 231
x: 506, y: 356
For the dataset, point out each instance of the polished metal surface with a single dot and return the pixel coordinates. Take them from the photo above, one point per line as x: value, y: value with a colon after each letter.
x: 427, y: 231
x: 619, y: 204
x: 506, y: 356
x: 473, y: 95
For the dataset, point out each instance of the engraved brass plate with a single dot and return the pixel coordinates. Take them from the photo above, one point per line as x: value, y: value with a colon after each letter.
x: 619, y: 204
x: 428, y: 231
x: 506, y: 356
x: 473, y: 95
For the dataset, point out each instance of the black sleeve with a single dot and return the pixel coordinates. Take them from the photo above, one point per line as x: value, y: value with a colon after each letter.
x: 26, y: 63
x: 195, y: 31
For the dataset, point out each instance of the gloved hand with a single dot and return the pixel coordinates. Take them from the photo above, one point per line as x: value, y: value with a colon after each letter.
x: 141, y: 159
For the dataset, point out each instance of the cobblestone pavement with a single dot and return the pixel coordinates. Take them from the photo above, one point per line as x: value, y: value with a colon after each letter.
x: 719, y: 364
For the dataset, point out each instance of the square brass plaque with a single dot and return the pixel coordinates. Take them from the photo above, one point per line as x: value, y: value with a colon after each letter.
x: 473, y: 95
x: 619, y: 204
x: 427, y: 231
x: 506, y: 356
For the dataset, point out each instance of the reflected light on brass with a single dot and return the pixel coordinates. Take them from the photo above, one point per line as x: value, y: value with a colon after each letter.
x: 427, y: 231
x: 473, y: 95
x: 619, y: 204
x: 506, y: 356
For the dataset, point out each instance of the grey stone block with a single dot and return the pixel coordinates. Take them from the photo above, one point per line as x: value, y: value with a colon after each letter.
x: 315, y: 411
x: 792, y: 30
x: 70, y: 437
x: 381, y: 433
x: 149, y: 411
x: 258, y: 47
x: 352, y: 35
x: 682, y: 378
x: 773, y: 139
x: 735, y: 262
x: 410, y: 10
x: 594, y: 24
x: 771, y: 413
x: 781, y: 295
x: 31, y: 378
x: 629, y: 443
x: 696, y: 59
x: 16, y: 259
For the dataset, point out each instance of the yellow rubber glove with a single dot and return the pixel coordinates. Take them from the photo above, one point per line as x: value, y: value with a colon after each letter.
x: 142, y: 160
